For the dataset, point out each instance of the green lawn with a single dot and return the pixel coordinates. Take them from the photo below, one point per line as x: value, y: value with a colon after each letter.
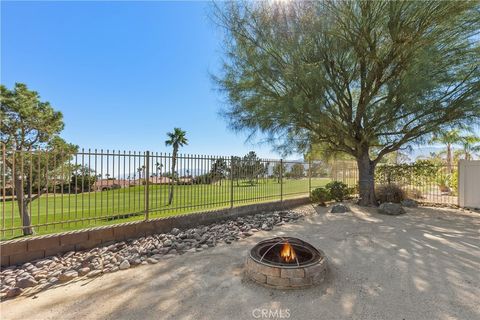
x: 71, y: 212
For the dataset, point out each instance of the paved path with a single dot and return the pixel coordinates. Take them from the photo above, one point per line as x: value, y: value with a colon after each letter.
x: 423, y: 265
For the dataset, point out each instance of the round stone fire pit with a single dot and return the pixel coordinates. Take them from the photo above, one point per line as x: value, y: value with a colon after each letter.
x: 286, y: 263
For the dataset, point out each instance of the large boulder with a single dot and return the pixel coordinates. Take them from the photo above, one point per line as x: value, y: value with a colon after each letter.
x: 339, y: 208
x: 409, y: 203
x: 392, y: 209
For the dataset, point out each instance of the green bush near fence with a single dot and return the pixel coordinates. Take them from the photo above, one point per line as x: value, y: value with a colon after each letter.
x: 320, y: 196
x: 338, y: 190
x: 128, y: 204
x: 390, y: 193
x: 423, y: 175
x: 334, y: 190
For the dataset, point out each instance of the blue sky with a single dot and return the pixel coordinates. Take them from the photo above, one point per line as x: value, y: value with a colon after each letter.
x: 122, y: 73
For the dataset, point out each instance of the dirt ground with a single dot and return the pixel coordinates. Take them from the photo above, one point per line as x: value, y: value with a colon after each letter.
x: 422, y: 265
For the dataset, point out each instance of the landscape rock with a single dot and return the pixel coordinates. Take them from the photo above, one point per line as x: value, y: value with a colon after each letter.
x: 409, y: 203
x: 94, y: 273
x: 26, y: 283
x: 152, y: 260
x: 67, y: 276
x: 83, y: 271
x: 43, y: 263
x: 68, y: 254
x: 113, y: 256
x: 13, y: 292
x: 339, y: 208
x: 266, y: 227
x: 124, y: 265
x: 390, y: 208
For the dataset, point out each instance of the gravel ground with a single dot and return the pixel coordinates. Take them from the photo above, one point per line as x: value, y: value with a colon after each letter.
x: 421, y: 265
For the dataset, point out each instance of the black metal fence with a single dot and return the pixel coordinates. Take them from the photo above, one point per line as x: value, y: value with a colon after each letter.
x: 430, y: 183
x: 53, y: 191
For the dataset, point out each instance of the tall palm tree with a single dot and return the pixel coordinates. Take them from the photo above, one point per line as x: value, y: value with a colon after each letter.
x: 448, y: 138
x: 159, y: 167
x: 140, y: 170
x: 470, y: 146
x: 176, y: 139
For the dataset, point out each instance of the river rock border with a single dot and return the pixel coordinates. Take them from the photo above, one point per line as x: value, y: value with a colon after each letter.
x: 31, y: 277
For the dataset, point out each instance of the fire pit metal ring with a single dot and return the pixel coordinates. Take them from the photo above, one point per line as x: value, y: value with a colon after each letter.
x: 286, y: 263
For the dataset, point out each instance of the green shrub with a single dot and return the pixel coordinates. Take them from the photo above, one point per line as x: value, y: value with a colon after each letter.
x: 320, y: 195
x: 421, y: 173
x: 206, y: 178
x: 454, y: 182
x: 390, y: 193
x: 338, y: 190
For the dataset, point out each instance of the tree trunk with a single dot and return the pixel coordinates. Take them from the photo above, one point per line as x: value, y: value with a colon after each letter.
x: 174, y: 162
x: 23, y: 207
x: 449, y: 158
x: 366, y: 170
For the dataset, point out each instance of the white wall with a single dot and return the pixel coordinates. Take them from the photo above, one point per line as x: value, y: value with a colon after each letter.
x: 469, y: 183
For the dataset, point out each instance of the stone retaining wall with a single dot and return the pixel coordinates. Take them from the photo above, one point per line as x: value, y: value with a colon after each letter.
x: 27, y: 249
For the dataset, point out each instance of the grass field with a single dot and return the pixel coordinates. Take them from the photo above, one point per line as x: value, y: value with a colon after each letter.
x: 55, y: 212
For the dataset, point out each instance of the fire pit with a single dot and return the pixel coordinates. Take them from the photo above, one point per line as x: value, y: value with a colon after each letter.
x: 286, y: 263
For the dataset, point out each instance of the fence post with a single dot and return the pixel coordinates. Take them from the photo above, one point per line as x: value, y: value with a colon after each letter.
x: 309, y: 175
x: 281, y: 180
x: 231, y: 182
x: 147, y: 183
x: 460, y: 178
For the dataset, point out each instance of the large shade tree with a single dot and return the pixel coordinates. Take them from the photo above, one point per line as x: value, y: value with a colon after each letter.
x: 360, y: 77
x: 34, y: 151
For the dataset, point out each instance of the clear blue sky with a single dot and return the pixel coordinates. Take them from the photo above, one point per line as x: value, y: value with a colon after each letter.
x: 122, y: 73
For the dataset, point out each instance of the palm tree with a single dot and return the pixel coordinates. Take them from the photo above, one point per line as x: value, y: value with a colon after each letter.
x: 469, y: 146
x: 159, y: 167
x: 140, y: 170
x: 448, y: 138
x: 176, y: 139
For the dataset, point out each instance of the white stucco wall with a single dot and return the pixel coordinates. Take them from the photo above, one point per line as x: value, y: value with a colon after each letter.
x: 469, y: 183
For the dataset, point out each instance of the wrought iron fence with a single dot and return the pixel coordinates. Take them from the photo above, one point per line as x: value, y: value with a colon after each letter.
x: 53, y: 191
x: 430, y: 183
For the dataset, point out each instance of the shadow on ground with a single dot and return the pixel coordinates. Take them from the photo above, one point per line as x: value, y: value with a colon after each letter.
x: 422, y: 265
